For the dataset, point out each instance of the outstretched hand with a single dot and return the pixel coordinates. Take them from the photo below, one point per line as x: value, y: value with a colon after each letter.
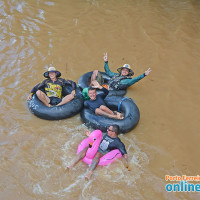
x: 125, y: 162
x: 87, y: 133
x: 128, y: 167
x: 105, y: 57
x: 73, y: 92
x: 29, y: 97
x: 95, y: 84
x: 147, y: 72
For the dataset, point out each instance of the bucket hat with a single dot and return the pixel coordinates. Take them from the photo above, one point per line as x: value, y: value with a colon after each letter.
x: 131, y: 73
x: 51, y: 69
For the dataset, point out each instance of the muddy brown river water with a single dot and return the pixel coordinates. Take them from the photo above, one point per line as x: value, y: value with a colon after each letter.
x: 72, y: 36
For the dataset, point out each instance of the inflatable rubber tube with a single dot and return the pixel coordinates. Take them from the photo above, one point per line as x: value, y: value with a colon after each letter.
x: 94, y: 140
x: 124, y: 105
x: 83, y: 82
x: 57, y: 112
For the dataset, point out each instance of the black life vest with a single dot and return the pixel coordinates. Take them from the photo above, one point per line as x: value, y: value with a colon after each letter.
x: 114, y: 83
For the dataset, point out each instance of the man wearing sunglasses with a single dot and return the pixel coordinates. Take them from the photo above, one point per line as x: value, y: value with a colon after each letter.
x: 109, y: 142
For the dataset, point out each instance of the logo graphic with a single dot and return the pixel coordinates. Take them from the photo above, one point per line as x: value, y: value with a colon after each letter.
x: 184, y: 185
x: 104, y: 145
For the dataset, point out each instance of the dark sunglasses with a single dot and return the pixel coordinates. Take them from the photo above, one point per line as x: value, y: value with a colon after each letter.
x: 109, y: 130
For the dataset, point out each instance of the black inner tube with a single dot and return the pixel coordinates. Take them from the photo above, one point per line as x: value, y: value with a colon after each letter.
x: 57, y: 112
x: 128, y: 107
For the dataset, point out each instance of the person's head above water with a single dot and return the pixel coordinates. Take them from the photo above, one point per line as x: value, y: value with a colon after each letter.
x: 92, y: 93
x: 113, y: 130
x: 125, y: 70
x: 52, y: 72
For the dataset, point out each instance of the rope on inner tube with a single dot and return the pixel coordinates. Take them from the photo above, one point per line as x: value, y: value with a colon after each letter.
x: 119, y: 105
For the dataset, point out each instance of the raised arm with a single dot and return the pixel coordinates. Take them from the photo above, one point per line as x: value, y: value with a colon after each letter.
x: 147, y: 72
x: 95, y: 84
x: 130, y: 82
x: 98, y: 86
x: 106, y: 67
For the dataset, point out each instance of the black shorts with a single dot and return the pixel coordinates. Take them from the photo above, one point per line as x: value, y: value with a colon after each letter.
x: 54, y: 100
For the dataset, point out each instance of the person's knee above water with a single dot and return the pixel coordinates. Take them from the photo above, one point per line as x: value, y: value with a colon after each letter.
x: 109, y: 142
x: 97, y: 104
x: 121, y: 80
x: 50, y: 91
